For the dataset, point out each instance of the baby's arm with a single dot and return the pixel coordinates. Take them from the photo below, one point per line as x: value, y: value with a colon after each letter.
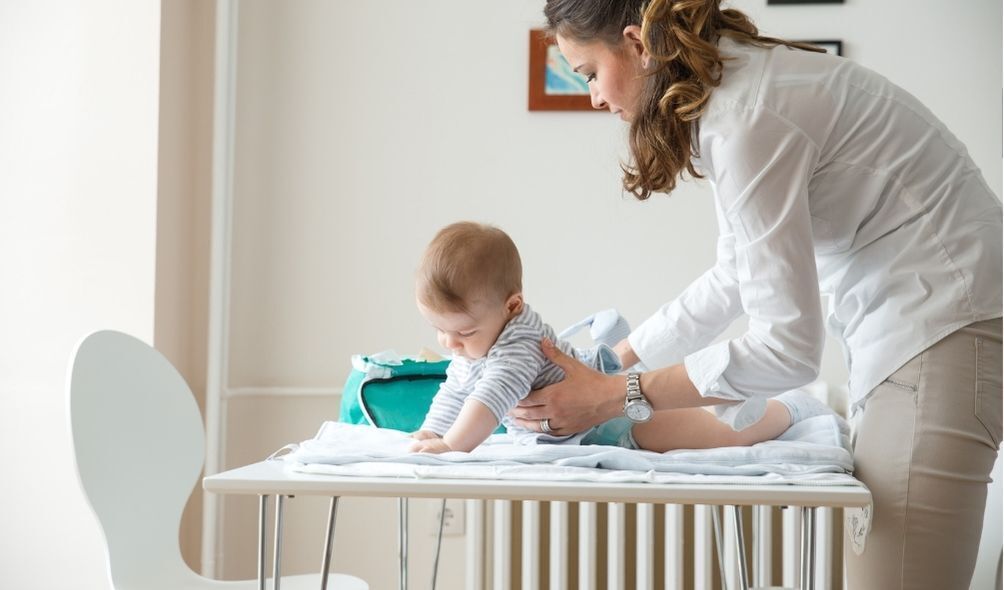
x: 508, y: 374
x: 446, y: 405
x: 474, y: 424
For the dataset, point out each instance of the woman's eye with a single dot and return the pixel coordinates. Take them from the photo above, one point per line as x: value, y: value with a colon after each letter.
x: 590, y: 78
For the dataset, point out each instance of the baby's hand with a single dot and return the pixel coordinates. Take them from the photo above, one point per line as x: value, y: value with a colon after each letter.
x: 430, y: 445
x: 423, y: 434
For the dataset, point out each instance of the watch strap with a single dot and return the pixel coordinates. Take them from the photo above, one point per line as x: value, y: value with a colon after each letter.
x: 633, y: 387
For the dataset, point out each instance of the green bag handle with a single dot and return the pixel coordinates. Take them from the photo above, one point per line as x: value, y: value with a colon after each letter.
x: 391, y: 395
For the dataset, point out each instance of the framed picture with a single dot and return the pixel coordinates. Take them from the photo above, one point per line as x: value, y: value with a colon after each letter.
x: 553, y: 85
x: 830, y: 45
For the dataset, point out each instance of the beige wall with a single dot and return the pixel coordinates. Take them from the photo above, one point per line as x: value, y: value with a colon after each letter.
x: 183, y: 209
x: 78, y: 212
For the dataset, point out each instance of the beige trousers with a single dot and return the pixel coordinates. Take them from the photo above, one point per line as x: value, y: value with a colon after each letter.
x: 925, y: 444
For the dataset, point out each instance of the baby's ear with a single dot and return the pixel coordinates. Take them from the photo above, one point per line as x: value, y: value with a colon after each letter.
x: 514, y: 304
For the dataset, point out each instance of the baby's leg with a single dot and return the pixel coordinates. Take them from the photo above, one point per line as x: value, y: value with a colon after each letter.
x: 695, y: 428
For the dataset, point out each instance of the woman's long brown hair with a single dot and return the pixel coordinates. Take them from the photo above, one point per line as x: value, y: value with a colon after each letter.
x: 681, y: 36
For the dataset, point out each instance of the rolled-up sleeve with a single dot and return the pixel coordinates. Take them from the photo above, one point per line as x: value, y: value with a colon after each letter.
x: 760, y: 166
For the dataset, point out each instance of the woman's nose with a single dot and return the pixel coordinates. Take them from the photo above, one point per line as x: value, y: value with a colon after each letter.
x: 594, y: 98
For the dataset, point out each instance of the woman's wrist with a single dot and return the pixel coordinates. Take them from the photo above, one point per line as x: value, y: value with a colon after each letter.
x: 615, y: 392
x: 670, y: 388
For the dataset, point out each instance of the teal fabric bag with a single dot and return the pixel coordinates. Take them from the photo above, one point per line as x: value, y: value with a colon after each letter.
x: 390, y: 392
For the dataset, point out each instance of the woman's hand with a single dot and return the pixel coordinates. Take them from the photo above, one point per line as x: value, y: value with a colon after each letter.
x: 423, y: 434
x: 583, y: 399
x: 434, y: 445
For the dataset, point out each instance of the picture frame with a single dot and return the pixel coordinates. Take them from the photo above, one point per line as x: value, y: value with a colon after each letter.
x: 771, y: 2
x: 832, y: 46
x: 553, y: 86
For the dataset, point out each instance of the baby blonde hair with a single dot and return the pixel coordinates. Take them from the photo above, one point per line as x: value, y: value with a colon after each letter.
x: 468, y: 262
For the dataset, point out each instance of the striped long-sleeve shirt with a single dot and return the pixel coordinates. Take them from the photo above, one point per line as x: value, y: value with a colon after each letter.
x: 514, y: 366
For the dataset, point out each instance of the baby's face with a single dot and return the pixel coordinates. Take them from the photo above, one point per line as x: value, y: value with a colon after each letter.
x: 471, y: 334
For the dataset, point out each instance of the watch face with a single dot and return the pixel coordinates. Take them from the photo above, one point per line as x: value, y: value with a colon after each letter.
x: 638, y: 412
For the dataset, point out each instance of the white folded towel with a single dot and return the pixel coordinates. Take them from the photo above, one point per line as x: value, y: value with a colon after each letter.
x: 815, y: 450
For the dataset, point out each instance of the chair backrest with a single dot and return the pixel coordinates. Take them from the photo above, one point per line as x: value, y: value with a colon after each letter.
x: 139, y: 445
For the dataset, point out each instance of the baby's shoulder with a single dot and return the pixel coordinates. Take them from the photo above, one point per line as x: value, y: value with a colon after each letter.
x: 525, y: 327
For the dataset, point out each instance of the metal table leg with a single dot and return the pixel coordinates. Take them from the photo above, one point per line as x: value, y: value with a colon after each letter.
x: 328, y: 541
x: 439, y: 543
x: 402, y: 542
x: 277, y: 555
x: 262, y: 515
x: 716, y: 526
x: 761, y: 526
x: 808, y: 547
x: 737, y: 515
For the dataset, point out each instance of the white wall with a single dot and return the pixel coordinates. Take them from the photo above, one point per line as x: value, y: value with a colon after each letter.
x: 361, y: 132
x: 78, y: 169
x: 364, y: 127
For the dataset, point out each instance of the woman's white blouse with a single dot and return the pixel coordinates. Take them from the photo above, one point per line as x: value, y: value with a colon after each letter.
x: 828, y: 179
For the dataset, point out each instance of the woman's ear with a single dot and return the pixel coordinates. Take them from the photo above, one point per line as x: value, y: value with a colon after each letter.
x: 633, y: 42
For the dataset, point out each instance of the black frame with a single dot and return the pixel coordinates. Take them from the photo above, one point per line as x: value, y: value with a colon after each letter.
x: 836, y: 44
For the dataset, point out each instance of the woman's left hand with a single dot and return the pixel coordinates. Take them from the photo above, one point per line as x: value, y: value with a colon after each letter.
x: 583, y: 399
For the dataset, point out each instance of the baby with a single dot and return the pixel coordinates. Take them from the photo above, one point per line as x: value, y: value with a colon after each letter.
x: 469, y: 288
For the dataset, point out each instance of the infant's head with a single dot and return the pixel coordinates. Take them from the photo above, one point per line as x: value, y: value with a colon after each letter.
x: 469, y: 285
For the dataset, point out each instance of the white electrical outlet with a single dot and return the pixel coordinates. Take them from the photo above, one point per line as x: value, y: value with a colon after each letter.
x: 453, y: 521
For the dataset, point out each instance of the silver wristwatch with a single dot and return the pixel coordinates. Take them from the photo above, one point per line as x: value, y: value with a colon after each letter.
x: 636, y: 407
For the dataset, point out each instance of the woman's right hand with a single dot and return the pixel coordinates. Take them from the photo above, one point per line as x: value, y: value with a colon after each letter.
x: 584, y: 398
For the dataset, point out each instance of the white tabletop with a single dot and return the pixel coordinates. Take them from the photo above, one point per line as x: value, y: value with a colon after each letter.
x: 275, y: 478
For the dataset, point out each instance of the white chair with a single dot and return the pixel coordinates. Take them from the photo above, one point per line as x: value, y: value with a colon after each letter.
x: 139, y: 444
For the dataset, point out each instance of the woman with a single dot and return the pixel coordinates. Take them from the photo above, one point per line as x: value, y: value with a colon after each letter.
x: 827, y: 179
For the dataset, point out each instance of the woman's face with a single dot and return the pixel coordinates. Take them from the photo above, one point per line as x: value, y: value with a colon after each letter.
x: 615, y: 73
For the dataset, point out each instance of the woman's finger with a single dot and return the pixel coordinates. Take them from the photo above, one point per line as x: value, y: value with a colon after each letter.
x: 529, y: 413
x: 556, y: 356
x: 537, y: 397
x: 538, y: 426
